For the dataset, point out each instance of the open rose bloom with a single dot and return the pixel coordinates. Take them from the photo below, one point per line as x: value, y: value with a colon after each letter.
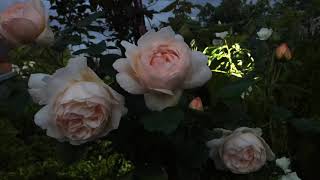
x: 79, y: 107
x: 241, y: 151
x: 160, y: 67
x: 25, y: 22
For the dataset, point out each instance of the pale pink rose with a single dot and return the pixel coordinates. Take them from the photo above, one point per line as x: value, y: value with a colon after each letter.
x: 196, y: 104
x: 25, y: 22
x: 79, y: 107
x: 241, y: 151
x: 160, y: 67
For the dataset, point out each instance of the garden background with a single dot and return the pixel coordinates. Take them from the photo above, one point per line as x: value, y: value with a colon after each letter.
x: 249, y: 87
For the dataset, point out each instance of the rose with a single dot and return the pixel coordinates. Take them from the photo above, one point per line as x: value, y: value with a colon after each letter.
x: 222, y: 35
x: 241, y: 151
x: 79, y: 106
x: 160, y: 67
x: 196, y: 104
x: 264, y: 33
x: 26, y: 22
x: 283, y: 51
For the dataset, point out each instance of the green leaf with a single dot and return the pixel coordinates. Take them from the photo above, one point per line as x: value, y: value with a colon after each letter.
x: 166, y: 121
x: 280, y: 113
x: 234, y: 90
x: 170, y: 7
x: 88, y: 20
x: 151, y: 173
x: 308, y: 126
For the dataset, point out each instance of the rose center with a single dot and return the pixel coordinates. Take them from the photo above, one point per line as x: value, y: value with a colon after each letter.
x: 163, y: 56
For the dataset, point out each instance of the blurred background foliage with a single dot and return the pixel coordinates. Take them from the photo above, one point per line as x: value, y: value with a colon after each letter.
x: 249, y: 87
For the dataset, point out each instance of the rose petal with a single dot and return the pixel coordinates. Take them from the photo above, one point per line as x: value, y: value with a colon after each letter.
x: 200, y: 72
x: 12, y: 30
x: 159, y: 101
x: 179, y: 37
x: 129, y: 84
x: 214, y: 146
x: 38, y: 5
x: 88, y: 91
x: 72, y: 72
x: 43, y: 118
x: 152, y: 37
x: 46, y: 37
x: 122, y: 65
x: 117, y: 113
x: 38, y: 88
x: 131, y: 49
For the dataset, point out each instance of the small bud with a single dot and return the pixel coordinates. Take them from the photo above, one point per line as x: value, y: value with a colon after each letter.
x: 196, y: 104
x: 283, y: 51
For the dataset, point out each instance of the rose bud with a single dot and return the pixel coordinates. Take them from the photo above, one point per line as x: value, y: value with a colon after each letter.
x: 241, y: 151
x: 283, y: 51
x: 160, y: 67
x: 196, y: 104
x: 25, y: 22
x: 79, y: 106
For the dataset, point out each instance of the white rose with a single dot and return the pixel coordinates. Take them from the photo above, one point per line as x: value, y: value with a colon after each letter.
x: 241, y: 151
x: 264, y: 33
x: 290, y: 176
x: 284, y: 164
x: 222, y: 35
x: 160, y: 67
x: 26, y: 22
x: 79, y: 107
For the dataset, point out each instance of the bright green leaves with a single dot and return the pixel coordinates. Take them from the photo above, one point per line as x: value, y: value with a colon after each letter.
x: 230, y: 60
x: 166, y: 121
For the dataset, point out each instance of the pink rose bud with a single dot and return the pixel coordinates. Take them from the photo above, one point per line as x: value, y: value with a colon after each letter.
x: 196, y: 104
x: 283, y: 51
x: 26, y: 22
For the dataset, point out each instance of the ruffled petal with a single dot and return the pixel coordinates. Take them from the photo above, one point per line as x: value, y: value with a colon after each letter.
x: 122, y: 65
x: 200, y: 72
x: 37, y: 87
x: 214, y: 146
x: 129, y: 84
x: 159, y: 101
x: 46, y: 37
x: 150, y: 37
x: 131, y: 49
x: 43, y: 119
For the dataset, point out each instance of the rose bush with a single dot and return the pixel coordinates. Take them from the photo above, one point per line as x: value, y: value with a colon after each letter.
x: 79, y: 107
x: 160, y: 67
x: 25, y: 22
x: 241, y: 151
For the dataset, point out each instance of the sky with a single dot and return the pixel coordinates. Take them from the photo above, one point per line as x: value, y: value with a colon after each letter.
x: 155, y: 22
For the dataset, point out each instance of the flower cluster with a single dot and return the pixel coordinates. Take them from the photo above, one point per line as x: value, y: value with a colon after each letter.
x: 79, y: 107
